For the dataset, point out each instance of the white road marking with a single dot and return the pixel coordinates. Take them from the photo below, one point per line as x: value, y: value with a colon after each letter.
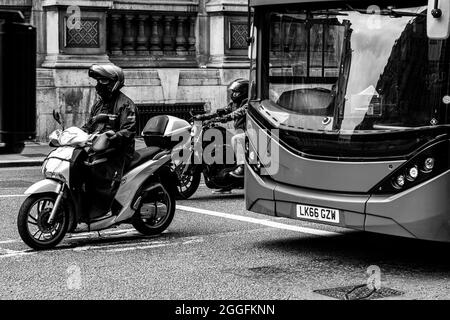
x: 118, y: 247
x: 13, y: 195
x: 8, y: 241
x: 8, y: 253
x: 268, y: 223
x: 141, y: 247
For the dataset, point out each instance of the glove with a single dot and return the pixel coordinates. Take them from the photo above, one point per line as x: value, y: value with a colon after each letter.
x: 112, y: 136
x: 200, y: 117
x: 110, y: 133
x: 210, y: 121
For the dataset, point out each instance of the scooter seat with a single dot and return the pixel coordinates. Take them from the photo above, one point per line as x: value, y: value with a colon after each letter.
x: 142, y: 155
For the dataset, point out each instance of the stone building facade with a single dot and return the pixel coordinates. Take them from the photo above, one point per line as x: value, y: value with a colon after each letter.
x: 177, y: 55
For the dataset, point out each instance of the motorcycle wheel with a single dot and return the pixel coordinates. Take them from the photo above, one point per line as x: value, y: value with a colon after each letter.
x: 188, y: 182
x: 32, y: 223
x: 160, y: 219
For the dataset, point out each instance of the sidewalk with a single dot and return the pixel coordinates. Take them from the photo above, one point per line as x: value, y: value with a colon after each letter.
x: 34, y: 154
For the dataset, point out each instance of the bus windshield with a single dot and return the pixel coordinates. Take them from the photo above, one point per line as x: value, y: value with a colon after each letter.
x: 356, y: 70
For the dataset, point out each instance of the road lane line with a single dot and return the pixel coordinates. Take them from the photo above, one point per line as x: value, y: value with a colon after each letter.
x: 12, y: 195
x: 8, y: 241
x: 8, y: 253
x: 268, y: 223
x: 140, y: 247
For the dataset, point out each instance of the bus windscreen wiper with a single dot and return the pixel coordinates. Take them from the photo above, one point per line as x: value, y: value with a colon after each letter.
x: 388, y: 12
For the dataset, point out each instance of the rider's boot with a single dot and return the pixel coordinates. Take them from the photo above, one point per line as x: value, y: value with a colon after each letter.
x: 238, y: 172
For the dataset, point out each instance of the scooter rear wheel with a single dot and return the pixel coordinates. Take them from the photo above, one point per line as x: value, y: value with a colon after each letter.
x: 32, y: 221
x: 155, y: 222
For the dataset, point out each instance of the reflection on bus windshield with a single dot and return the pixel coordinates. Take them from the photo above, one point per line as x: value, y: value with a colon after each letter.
x: 363, y: 72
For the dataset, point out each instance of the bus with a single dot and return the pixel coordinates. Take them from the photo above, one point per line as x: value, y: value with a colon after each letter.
x: 353, y: 100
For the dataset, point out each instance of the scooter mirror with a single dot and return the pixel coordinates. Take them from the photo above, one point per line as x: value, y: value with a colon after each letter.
x: 438, y: 19
x: 57, y: 116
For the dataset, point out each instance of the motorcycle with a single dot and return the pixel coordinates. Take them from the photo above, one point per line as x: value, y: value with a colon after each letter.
x: 216, y: 175
x: 145, y: 195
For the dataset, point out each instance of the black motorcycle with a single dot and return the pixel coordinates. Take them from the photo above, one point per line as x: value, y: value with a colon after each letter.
x: 216, y: 175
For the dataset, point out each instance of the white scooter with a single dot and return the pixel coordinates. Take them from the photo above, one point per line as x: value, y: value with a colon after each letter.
x: 145, y: 197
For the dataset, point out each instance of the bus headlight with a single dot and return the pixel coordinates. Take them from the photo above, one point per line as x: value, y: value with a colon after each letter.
x: 428, y: 164
x: 425, y: 165
x: 413, y: 173
x: 399, y: 182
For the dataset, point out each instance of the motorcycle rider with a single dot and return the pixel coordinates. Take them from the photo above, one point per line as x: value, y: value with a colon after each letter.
x: 121, y: 129
x: 237, y: 111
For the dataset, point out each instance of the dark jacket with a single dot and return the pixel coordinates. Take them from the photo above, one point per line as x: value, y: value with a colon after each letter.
x: 237, y: 113
x: 124, y: 124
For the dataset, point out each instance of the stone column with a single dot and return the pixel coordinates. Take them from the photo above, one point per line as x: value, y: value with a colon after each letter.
x: 228, y: 21
x: 38, y: 20
x: 128, y: 39
x: 167, y: 37
x: 191, y: 38
x: 181, y: 39
x: 142, y: 39
x: 202, y: 35
x: 116, y: 34
x: 155, y: 39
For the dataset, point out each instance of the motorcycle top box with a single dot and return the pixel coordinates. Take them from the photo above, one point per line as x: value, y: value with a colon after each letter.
x: 164, y: 131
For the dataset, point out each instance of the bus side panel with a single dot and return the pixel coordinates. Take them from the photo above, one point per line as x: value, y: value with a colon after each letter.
x: 258, y: 194
x: 424, y: 211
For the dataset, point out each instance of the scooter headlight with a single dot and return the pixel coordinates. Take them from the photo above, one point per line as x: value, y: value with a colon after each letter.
x: 55, y: 175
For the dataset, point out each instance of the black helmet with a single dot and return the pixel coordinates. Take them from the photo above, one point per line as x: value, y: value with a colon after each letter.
x: 239, y: 90
x: 108, y: 72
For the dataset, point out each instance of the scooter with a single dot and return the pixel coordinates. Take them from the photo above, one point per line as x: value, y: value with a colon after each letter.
x: 216, y: 175
x: 53, y: 208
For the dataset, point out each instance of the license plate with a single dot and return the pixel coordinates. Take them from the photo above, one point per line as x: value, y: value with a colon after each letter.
x: 318, y: 213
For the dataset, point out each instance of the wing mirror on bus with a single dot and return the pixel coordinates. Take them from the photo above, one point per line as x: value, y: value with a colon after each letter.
x: 438, y: 19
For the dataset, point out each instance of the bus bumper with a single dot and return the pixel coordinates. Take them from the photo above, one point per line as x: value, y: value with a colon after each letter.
x: 421, y: 212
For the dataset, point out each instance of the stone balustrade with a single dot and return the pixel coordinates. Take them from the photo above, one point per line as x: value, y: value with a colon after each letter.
x: 151, y: 38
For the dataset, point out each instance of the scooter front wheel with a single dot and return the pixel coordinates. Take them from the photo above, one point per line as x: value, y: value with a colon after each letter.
x: 155, y: 213
x: 32, y: 221
x: 189, y: 180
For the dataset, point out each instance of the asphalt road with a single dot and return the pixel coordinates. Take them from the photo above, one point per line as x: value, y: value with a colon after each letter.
x: 221, y: 251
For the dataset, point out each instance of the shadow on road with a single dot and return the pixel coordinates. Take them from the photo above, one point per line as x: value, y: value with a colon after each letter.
x: 358, y: 249
x: 208, y: 197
